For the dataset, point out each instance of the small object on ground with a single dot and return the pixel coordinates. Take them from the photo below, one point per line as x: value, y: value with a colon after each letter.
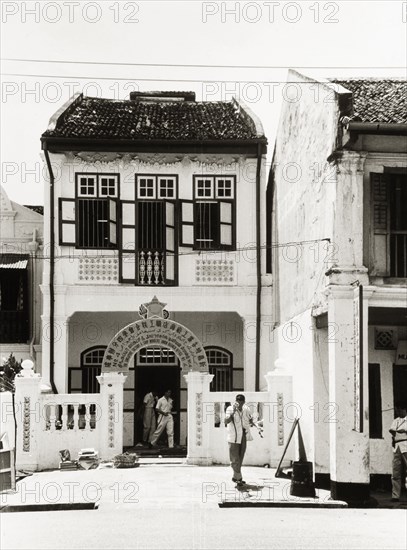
x: 126, y: 460
x: 266, y: 466
x: 88, y: 459
x: 66, y: 463
x: 160, y: 456
x: 140, y: 445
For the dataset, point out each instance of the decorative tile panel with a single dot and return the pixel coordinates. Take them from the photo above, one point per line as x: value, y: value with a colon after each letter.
x: 26, y: 425
x: 215, y: 272
x: 102, y: 270
x: 111, y: 417
x: 280, y: 418
x: 385, y: 338
x: 198, y: 419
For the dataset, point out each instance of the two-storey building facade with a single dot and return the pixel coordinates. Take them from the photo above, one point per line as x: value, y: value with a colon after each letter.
x: 338, y: 190
x: 155, y: 195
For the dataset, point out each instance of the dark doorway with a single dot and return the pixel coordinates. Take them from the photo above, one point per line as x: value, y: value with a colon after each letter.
x: 160, y: 378
x: 399, y: 383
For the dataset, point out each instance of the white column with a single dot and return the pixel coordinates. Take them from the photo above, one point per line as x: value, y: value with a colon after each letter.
x: 111, y: 420
x: 249, y: 350
x: 348, y: 228
x: 28, y: 415
x: 198, y: 418
x: 349, y: 448
x: 280, y: 388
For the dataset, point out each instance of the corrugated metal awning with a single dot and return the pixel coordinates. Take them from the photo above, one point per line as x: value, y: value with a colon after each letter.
x: 13, y: 261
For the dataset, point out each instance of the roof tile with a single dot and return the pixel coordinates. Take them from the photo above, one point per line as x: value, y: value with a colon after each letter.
x: 378, y: 100
x: 159, y: 120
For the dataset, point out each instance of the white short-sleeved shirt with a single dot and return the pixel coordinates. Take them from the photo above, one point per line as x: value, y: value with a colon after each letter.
x: 240, y: 422
x: 400, y: 439
x: 165, y: 405
x: 149, y: 400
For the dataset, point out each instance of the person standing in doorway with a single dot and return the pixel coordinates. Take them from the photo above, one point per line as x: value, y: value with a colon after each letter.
x: 165, y: 420
x: 398, y: 431
x: 149, y: 422
x: 238, y: 421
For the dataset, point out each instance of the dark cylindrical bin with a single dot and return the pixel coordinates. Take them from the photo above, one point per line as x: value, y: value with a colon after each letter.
x: 301, y: 481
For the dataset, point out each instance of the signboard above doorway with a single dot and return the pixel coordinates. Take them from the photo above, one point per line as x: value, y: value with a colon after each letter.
x: 155, y: 329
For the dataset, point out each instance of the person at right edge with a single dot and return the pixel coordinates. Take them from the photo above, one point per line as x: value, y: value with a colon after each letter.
x: 238, y: 421
x: 398, y: 431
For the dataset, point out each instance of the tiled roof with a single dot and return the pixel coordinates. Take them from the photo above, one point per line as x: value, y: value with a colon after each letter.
x: 38, y: 209
x: 377, y: 100
x: 153, y: 120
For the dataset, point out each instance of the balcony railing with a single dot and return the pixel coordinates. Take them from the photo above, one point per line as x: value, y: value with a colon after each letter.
x: 13, y: 327
x: 151, y: 267
x: 398, y: 254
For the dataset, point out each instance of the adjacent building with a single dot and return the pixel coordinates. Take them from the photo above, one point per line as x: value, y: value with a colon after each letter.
x: 158, y: 195
x: 21, y: 264
x: 337, y: 193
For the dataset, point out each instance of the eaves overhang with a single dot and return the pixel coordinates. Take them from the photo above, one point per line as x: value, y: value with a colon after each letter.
x: 243, y: 146
x: 381, y: 128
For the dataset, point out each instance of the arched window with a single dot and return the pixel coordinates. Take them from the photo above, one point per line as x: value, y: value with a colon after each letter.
x: 91, y: 366
x: 221, y: 366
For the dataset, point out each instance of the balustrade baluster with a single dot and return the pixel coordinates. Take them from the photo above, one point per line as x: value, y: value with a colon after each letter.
x: 87, y: 416
x: 64, y: 417
x: 149, y: 267
x: 142, y: 267
x: 76, y: 416
x: 52, y: 417
x: 156, y: 267
x: 162, y: 267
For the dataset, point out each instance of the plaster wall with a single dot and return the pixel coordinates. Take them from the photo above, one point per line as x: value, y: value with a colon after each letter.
x: 295, y: 344
x: 304, y: 196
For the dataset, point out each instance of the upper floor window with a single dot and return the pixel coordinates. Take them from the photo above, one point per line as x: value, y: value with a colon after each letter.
x: 156, y: 187
x: 389, y: 220
x: 213, y: 214
x: 90, y: 220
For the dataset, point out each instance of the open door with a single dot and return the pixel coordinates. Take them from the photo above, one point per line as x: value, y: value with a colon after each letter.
x: 170, y: 244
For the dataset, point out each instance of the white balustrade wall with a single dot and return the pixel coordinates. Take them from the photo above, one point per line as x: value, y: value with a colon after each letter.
x: 48, y: 423
x: 70, y: 422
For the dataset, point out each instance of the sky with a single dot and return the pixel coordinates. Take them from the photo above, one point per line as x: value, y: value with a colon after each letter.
x: 51, y: 50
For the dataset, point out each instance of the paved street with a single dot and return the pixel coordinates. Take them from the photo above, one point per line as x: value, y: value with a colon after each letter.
x: 177, y: 506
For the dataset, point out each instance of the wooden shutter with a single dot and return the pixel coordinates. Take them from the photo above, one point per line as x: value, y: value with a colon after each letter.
x: 127, y: 250
x: 67, y: 222
x: 226, y: 224
x: 186, y: 223
x: 113, y: 221
x: 380, y: 225
x: 170, y: 244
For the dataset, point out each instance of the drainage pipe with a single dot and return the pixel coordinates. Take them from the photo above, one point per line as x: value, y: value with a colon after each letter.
x: 51, y: 269
x: 258, y: 267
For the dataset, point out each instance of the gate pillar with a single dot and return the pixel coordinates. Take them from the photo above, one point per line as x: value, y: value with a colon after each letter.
x: 111, y: 414
x: 198, y: 419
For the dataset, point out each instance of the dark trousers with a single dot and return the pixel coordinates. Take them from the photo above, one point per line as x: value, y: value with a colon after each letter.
x: 398, y: 476
x: 236, y: 455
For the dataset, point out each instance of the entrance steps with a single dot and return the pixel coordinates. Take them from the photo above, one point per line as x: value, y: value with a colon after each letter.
x: 177, y: 454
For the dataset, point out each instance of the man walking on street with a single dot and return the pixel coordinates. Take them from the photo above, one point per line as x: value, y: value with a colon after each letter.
x: 398, y: 430
x: 238, y: 421
x: 165, y: 420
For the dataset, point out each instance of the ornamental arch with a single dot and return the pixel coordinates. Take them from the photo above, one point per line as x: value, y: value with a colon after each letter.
x: 154, y: 330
